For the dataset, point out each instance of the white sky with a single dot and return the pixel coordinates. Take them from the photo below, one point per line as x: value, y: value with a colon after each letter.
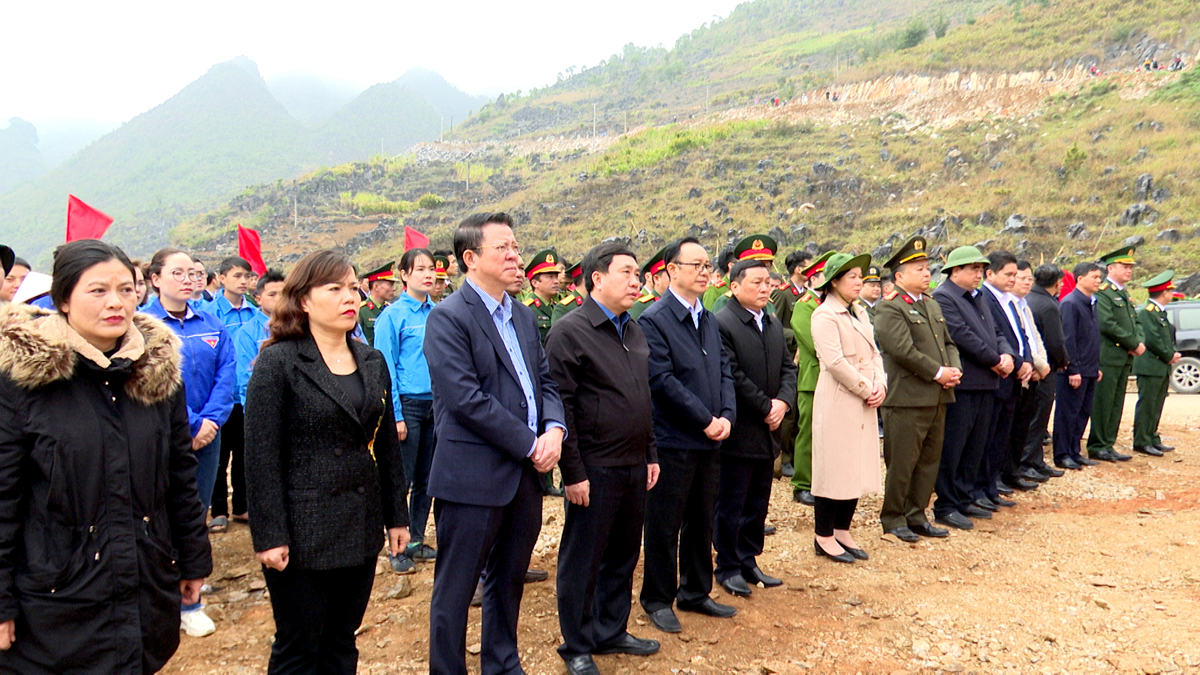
x: 113, y: 60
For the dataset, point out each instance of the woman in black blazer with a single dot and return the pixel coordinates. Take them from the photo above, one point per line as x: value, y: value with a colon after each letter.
x: 324, y: 476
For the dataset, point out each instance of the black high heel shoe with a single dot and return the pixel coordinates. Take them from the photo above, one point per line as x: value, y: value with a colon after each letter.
x: 858, y: 553
x: 843, y: 557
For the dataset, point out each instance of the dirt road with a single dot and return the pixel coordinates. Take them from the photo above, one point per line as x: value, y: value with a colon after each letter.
x: 1096, y: 572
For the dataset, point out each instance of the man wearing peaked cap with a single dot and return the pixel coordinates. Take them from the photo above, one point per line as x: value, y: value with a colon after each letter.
x: 542, y: 272
x: 1121, y: 339
x: 810, y: 369
x: 573, y: 299
x: 872, y: 290
x: 720, y: 285
x: 1153, y: 367
x: 441, y: 280
x: 658, y: 281
x: 382, y: 285
x: 753, y: 247
x: 923, y: 367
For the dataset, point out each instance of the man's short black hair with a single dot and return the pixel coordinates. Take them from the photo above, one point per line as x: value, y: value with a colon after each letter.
x: 1085, y: 268
x: 232, y: 262
x: 1045, y: 276
x: 468, y: 236
x: 210, y: 277
x: 1023, y: 265
x: 272, y: 276
x: 998, y: 260
x: 600, y: 258
x: 727, y: 259
x: 742, y: 266
x: 671, y: 252
x: 797, y: 259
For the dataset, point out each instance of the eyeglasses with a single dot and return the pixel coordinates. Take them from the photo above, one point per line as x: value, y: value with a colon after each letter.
x: 180, y: 275
x: 700, y: 266
x: 502, y: 249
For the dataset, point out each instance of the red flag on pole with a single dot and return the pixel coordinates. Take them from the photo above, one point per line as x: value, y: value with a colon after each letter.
x: 250, y: 248
x: 84, y: 222
x: 414, y: 239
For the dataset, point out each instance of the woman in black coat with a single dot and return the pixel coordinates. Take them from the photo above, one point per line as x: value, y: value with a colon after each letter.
x: 101, y: 527
x: 324, y: 476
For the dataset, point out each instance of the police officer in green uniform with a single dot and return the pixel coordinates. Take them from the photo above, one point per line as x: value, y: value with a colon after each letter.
x: 573, y: 299
x: 784, y: 300
x: 753, y: 247
x: 542, y: 272
x: 872, y: 291
x: 720, y: 286
x: 382, y: 285
x: 1121, y: 339
x: 658, y: 281
x: 923, y: 367
x: 1153, y: 367
x: 809, y: 369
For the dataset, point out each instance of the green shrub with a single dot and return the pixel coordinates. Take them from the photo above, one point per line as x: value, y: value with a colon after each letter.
x: 430, y: 201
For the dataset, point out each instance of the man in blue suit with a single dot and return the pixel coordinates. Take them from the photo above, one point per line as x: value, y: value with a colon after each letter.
x: 498, y: 422
x: 1075, y: 385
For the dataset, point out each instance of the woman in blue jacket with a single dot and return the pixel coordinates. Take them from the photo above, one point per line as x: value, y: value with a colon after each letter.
x: 209, y: 375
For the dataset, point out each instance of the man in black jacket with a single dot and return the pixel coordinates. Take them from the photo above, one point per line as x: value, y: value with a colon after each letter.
x: 599, y: 358
x: 692, y: 390
x: 764, y: 378
x: 1075, y: 386
x: 1043, y: 302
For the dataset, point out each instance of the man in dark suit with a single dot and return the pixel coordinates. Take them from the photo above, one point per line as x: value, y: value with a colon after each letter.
x: 599, y: 358
x: 985, y: 356
x: 1047, y: 317
x: 498, y: 421
x: 693, y: 396
x: 1075, y: 385
x: 764, y: 378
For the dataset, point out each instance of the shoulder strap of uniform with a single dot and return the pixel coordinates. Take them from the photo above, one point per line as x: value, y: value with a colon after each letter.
x: 891, y: 295
x: 566, y: 301
x: 527, y: 302
x: 649, y: 297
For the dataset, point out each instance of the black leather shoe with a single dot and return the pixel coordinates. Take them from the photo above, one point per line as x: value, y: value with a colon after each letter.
x: 736, y: 585
x: 709, y: 607
x: 1085, y: 461
x: 769, y: 530
x: 843, y: 557
x: 972, y: 511
x: 858, y: 553
x: 1021, y: 484
x: 534, y: 576
x: 1034, y: 476
x: 1165, y: 448
x: 1103, y: 456
x: 927, y: 530
x: 757, y: 576
x: 1004, y: 489
x: 986, y: 504
x: 1049, y: 471
x: 1069, y: 463
x: 1047, y: 439
x: 628, y: 644
x: 665, y: 620
x: 906, y: 534
x: 804, y: 497
x: 582, y: 665
x: 1121, y: 457
x: 955, y: 520
x: 1148, y: 450
x: 1006, y: 503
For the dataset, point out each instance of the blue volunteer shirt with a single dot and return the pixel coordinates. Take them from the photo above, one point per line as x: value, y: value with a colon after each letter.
x: 208, y: 367
x: 246, y: 343
x: 232, y: 317
x: 400, y: 336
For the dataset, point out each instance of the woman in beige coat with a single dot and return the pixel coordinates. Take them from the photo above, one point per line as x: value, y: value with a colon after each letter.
x: 850, y: 387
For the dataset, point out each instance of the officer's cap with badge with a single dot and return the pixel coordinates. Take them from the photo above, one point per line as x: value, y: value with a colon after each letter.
x: 575, y: 272
x: 384, y: 273
x: 655, y: 264
x: 756, y: 247
x: 1160, y: 283
x: 1121, y: 256
x: 441, y: 267
x: 911, y: 250
x: 817, y: 265
x: 963, y: 256
x: 871, y: 273
x: 543, y: 262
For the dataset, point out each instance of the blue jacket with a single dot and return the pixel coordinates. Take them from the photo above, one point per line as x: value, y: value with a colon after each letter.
x: 208, y: 366
x: 980, y: 342
x: 246, y: 343
x: 1081, y: 334
x: 400, y: 335
x: 691, y: 380
x: 233, y: 319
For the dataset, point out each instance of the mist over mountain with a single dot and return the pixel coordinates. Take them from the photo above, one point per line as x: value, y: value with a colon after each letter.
x: 310, y: 98
x: 20, y: 159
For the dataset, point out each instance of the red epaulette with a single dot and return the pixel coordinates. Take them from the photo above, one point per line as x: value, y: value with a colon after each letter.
x: 537, y: 302
x: 795, y: 291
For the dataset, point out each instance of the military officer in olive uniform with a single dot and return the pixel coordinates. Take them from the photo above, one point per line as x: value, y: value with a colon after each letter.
x: 1121, y: 339
x: 573, y: 299
x: 721, y: 285
x: 1153, y: 367
x: 382, y: 285
x: 783, y: 299
x: 809, y: 370
x: 441, y: 279
x: 872, y: 291
x: 754, y: 247
x: 658, y: 281
x: 542, y: 272
x: 923, y: 367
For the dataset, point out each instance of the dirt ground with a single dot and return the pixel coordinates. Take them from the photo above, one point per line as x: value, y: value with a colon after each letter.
x: 1095, y: 572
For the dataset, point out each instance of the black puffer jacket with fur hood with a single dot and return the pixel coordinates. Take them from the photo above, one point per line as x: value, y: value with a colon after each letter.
x: 99, y: 514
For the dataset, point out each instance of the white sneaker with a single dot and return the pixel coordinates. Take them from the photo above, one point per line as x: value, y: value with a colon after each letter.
x: 196, y: 623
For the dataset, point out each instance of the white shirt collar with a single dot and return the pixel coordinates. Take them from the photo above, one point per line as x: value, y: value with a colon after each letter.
x: 1119, y: 286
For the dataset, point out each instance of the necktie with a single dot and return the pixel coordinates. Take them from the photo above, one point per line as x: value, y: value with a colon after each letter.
x: 1012, y: 308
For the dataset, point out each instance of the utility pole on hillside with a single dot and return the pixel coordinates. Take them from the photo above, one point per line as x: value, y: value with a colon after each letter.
x: 593, y: 120
x: 626, y: 123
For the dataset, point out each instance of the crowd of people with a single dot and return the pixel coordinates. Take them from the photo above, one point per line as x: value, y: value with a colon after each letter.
x: 144, y: 406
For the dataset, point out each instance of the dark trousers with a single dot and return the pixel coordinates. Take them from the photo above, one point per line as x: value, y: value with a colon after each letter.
x: 912, y: 451
x: 1107, y: 407
x: 596, y: 557
x: 787, y: 432
x: 1072, y: 408
x: 1034, y: 456
x: 833, y: 514
x: 1152, y: 394
x: 995, y: 451
x: 497, y: 541
x: 316, y: 613
x: 233, y: 440
x: 968, y: 423
x: 679, y: 524
x: 416, y: 452
x: 743, y: 495
x: 1023, y: 416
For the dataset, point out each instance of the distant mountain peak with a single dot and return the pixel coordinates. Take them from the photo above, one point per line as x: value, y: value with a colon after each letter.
x: 242, y: 62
